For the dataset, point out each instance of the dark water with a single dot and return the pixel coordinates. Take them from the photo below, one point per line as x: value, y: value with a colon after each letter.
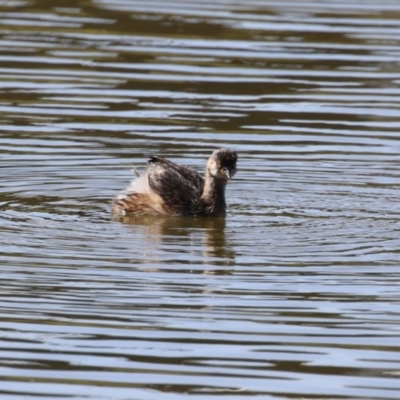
x: 295, y: 295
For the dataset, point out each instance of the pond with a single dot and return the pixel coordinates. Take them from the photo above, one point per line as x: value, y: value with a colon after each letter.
x: 295, y: 294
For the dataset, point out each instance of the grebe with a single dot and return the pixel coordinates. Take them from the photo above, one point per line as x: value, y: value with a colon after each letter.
x: 171, y: 189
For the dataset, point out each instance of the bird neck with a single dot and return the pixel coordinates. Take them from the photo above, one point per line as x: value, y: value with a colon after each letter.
x: 213, y: 196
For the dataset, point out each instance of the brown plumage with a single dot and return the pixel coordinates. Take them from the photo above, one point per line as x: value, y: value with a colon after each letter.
x: 172, y: 189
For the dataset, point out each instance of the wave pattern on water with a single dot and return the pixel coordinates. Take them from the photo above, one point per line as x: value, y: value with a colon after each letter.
x: 295, y: 294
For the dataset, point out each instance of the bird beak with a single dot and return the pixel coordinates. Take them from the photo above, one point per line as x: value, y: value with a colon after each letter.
x: 227, y: 173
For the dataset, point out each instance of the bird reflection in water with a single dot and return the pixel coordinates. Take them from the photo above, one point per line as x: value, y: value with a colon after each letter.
x: 202, y: 240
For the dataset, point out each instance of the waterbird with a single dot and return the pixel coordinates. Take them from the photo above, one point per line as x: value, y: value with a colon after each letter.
x: 171, y: 189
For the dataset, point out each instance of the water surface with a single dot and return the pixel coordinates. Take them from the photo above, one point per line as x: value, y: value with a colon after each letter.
x: 295, y: 295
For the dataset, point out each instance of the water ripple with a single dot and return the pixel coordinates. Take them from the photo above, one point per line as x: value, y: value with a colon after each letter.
x: 294, y: 294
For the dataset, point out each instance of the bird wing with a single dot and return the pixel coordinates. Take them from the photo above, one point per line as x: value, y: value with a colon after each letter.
x: 179, y: 186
